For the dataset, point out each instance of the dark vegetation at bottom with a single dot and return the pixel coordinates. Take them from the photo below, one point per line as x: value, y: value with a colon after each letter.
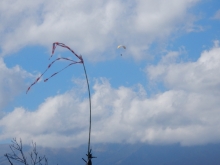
x: 131, y: 154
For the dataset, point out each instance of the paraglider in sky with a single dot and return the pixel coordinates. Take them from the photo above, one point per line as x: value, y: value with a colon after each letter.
x: 121, y: 46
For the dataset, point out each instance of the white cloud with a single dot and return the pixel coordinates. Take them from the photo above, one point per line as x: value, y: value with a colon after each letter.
x: 192, y: 76
x: 187, y: 113
x: 53, y: 124
x: 12, y: 82
x: 91, y: 27
x: 217, y: 15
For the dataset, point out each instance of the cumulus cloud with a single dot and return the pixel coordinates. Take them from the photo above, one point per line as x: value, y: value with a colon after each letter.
x: 217, y: 15
x: 12, y: 82
x: 91, y: 27
x: 55, y: 123
x: 192, y: 76
x: 186, y: 113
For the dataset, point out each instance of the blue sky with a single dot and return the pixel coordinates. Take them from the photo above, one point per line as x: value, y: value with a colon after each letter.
x: 164, y: 89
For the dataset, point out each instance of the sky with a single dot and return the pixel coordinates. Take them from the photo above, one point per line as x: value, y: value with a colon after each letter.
x: 163, y: 89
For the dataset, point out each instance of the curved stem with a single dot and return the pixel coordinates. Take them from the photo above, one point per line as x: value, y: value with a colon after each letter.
x: 90, y: 107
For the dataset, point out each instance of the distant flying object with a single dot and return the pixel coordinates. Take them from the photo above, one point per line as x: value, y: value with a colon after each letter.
x: 119, y: 46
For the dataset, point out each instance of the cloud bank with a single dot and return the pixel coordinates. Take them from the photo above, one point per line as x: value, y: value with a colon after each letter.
x: 12, y: 82
x: 92, y: 27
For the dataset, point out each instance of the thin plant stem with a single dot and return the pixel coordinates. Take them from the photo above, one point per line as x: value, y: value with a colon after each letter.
x: 72, y: 62
x: 90, y: 107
